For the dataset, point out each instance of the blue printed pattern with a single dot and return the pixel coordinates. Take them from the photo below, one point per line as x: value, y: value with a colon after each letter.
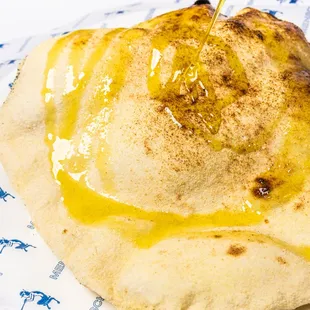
x: 11, y: 61
x: 15, y: 244
x: 4, y: 195
x: 289, y: 1
x: 305, y: 24
x: 57, y: 270
x: 39, y: 297
x: 272, y: 12
x: 97, y: 303
x: 30, y: 225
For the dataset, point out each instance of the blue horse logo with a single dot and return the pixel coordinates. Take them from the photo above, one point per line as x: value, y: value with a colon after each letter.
x: 4, y: 194
x: 290, y: 1
x: 272, y: 12
x: 39, y: 297
x: 14, y: 243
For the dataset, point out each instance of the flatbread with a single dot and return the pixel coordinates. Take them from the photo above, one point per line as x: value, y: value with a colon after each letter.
x: 217, y: 175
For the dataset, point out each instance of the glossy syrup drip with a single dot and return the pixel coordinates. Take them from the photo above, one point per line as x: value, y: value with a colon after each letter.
x: 189, y: 95
x: 210, y: 26
x: 191, y: 73
x: 63, y: 120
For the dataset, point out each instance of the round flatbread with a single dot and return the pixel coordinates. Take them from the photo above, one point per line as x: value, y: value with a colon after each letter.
x: 161, y: 191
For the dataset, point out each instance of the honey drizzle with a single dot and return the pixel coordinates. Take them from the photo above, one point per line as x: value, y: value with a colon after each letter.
x: 48, y: 92
x: 210, y: 27
x: 90, y: 207
x: 84, y: 206
x: 76, y: 77
x: 188, y: 95
x: 193, y: 70
x: 292, y: 165
x: 99, y: 105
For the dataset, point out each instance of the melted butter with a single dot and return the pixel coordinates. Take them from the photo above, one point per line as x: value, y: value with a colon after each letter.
x: 287, y: 176
x: 75, y: 80
x: 89, y: 206
x: 48, y: 92
x: 99, y: 106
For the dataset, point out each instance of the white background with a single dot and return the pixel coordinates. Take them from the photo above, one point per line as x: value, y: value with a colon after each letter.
x: 40, y: 16
x: 22, y: 18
